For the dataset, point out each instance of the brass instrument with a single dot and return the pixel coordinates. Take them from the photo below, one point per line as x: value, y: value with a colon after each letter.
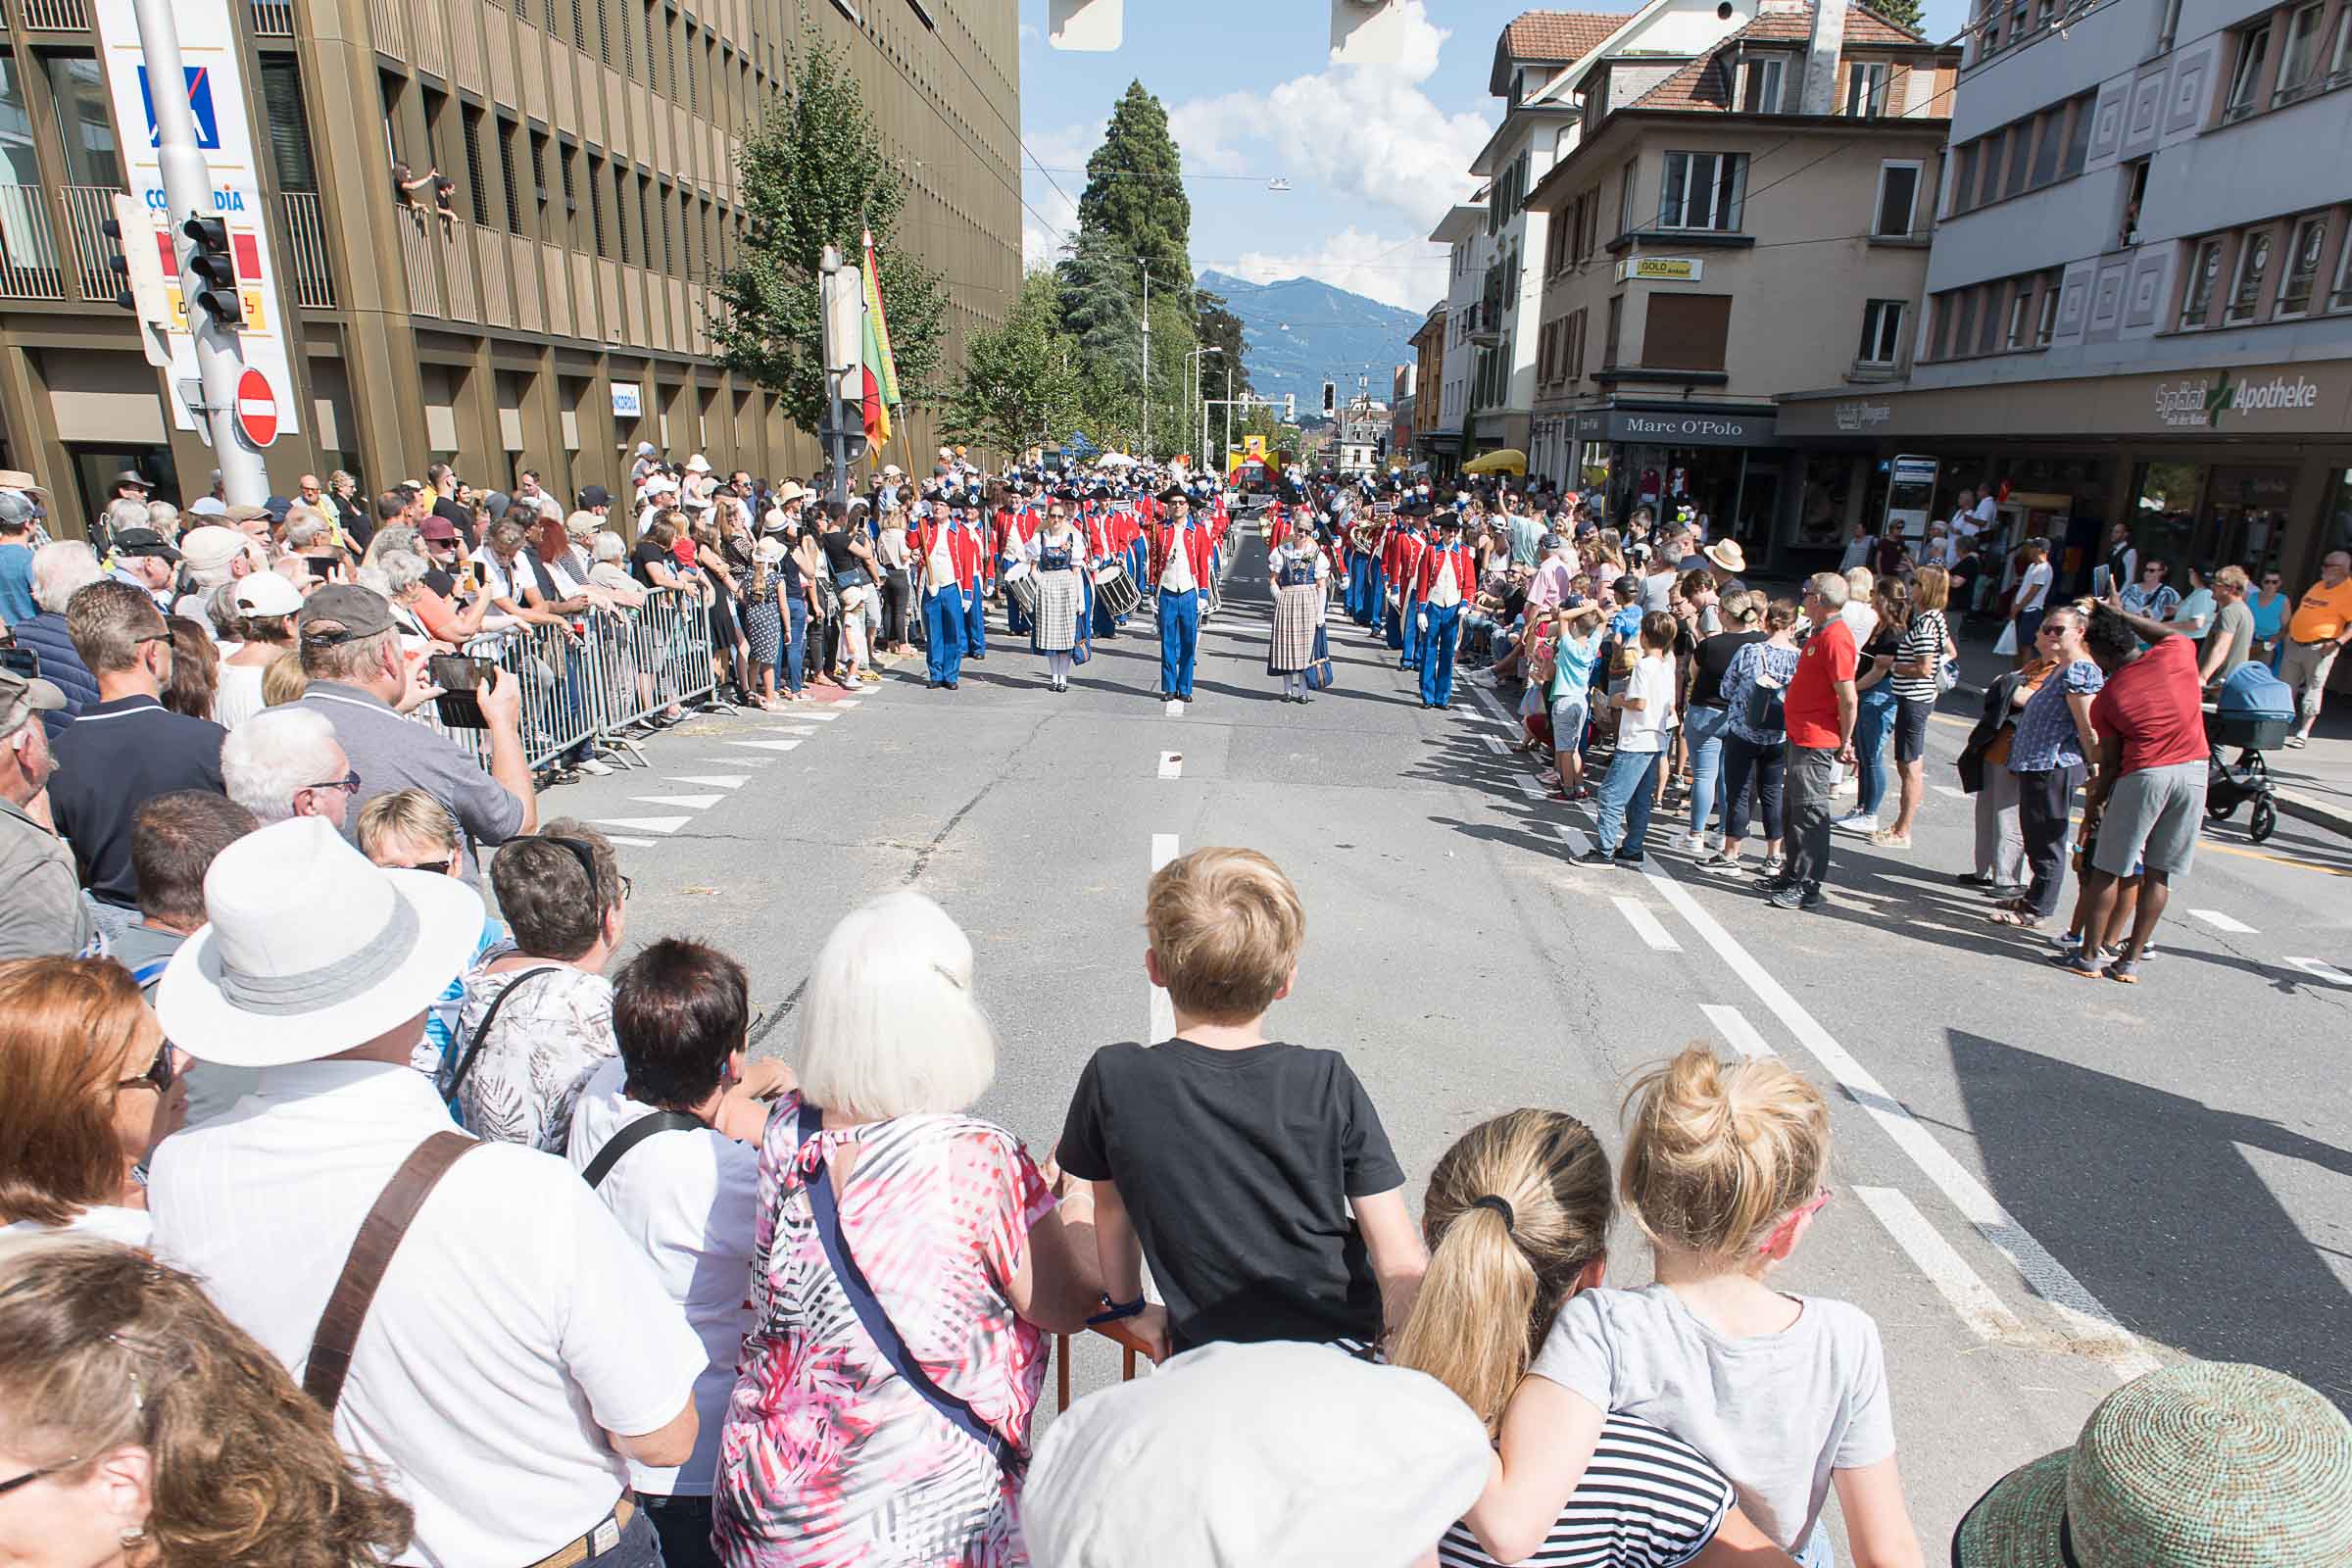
x: 1365, y: 537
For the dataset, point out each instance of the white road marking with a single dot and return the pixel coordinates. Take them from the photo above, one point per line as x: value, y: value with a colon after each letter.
x: 1578, y: 844
x: 824, y: 715
x: 1530, y: 788
x: 737, y: 761
x: 723, y: 781
x: 1737, y: 1033
x: 2223, y: 922
x: 1162, y: 1014
x: 2043, y: 1274
x: 1175, y: 708
x: 1948, y: 792
x: 697, y: 802
x: 787, y: 729
x: 1171, y: 765
x: 635, y: 843
x: 1646, y: 924
x: 1941, y: 1263
x: 765, y: 745
x: 1495, y: 745
x: 2322, y: 971
x: 646, y: 824
x: 848, y: 702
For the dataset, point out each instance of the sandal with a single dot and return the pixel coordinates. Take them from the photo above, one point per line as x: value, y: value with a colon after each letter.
x: 2019, y: 919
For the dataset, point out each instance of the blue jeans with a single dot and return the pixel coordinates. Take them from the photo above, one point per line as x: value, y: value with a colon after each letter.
x: 1179, y: 641
x: 1437, y: 652
x: 792, y: 653
x: 1625, y: 798
x: 1703, y: 730
x: 1872, y: 723
x: 943, y: 633
x: 684, y: 1525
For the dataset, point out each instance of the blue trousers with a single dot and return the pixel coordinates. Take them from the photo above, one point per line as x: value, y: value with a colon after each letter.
x: 975, y: 623
x: 1873, y: 723
x: 1625, y: 798
x: 1179, y: 641
x: 943, y: 633
x: 1437, y: 652
x: 1703, y: 729
x: 1139, y: 565
x: 1409, y: 638
x: 794, y: 655
x: 1396, y: 626
x: 1376, y: 595
x: 1359, y: 578
x: 1086, y: 613
x: 1016, y: 624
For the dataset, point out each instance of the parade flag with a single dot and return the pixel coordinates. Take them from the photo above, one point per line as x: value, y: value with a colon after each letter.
x: 881, y: 379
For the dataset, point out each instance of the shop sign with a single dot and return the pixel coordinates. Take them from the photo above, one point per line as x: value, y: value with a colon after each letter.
x: 628, y: 402
x: 2204, y: 404
x: 1591, y: 426
x: 1690, y: 429
x: 1858, y: 417
x: 1660, y: 269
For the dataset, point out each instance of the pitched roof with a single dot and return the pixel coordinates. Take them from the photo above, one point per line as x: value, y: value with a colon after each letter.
x: 1551, y: 35
x: 1704, y: 84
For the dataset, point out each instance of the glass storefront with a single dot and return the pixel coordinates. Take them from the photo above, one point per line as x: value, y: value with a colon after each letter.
x: 1669, y: 481
x: 2164, y: 518
x: 2248, y: 518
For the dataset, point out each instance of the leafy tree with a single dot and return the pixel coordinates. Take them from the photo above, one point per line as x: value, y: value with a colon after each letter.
x: 1902, y: 13
x: 1020, y: 385
x: 812, y: 174
x: 1216, y: 327
x: 1100, y: 304
x: 1134, y: 198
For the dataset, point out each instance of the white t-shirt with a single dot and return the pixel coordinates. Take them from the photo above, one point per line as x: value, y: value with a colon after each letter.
x: 1777, y: 1412
x: 1651, y: 684
x: 514, y: 1321
x: 2034, y: 586
x: 690, y: 1201
x: 239, y: 695
x: 105, y: 1222
x: 1860, y: 618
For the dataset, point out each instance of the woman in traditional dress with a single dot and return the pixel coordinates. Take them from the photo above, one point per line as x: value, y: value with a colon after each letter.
x: 1300, y: 576
x: 1058, y: 556
x: 763, y: 618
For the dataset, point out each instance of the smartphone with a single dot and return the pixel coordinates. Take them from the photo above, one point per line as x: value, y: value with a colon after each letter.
x: 322, y: 567
x: 26, y: 662
x: 459, y: 678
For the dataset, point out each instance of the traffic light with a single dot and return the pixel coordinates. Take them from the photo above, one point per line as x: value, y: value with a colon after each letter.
x: 212, y: 272
x: 136, y: 265
x: 1330, y: 399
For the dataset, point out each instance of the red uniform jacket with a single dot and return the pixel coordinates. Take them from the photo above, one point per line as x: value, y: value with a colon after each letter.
x: 1402, y: 557
x: 1014, y: 529
x: 1097, y: 531
x: 1432, y: 557
x: 963, y: 548
x: 1196, y: 548
x: 1126, y: 527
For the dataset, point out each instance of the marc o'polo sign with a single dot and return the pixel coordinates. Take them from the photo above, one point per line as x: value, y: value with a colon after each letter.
x: 1690, y: 429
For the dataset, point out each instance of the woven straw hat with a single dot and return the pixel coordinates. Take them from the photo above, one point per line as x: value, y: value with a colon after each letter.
x: 2210, y: 1464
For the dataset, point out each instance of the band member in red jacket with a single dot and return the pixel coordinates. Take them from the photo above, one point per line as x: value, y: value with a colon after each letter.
x: 947, y: 558
x: 1183, y: 563
x: 1443, y: 580
x: 1406, y: 544
x: 1014, y: 524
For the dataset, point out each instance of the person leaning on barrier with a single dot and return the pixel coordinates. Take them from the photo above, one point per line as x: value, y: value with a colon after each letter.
x: 406, y: 582
x: 363, y: 684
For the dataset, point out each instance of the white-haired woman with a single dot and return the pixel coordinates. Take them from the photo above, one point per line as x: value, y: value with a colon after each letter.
x: 881, y: 1200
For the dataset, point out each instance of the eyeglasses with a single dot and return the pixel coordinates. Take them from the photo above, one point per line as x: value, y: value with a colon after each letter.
x: 159, y: 1074
x: 349, y: 783
x: 2151, y: 572
x: 437, y: 868
x: 30, y: 1476
x: 2049, y: 631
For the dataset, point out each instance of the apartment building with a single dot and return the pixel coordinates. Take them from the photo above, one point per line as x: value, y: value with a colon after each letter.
x: 1467, y: 315
x: 1728, y: 226
x: 1428, y: 344
x: 2140, y: 291
x: 549, y: 304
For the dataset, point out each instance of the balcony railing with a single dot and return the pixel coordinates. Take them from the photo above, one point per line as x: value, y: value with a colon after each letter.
x: 29, y: 263
x: 87, y: 210
x: 63, y: 15
x: 273, y: 18
x: 307, y: 265
x: 417, y: 241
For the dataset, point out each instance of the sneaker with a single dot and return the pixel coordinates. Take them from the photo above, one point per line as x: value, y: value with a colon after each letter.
x: 2067, y: 942
x: 1887, y: 838
x: 1596, y: 855
x: 1722, y: 865
x: 1774, y: 866
x: 1692, y: 843
x: 594, y: 768
x: 1549, y: 778
x: 1796, y: 897
x: 1862, y: 823
x: 2079, y: 964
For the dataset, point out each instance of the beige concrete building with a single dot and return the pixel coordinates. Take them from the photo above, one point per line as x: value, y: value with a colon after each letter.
x: 550, y: 308
x: 1748, y: 220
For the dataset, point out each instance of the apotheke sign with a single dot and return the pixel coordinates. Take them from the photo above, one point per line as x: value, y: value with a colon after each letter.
x: 2204, y: 405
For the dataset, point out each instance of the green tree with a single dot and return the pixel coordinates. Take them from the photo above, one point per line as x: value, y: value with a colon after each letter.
x: 1216, y: 327
x: 1020, y: 385
x: 1134, y: 197
x: 814, y: 173
x: 1902, y: 13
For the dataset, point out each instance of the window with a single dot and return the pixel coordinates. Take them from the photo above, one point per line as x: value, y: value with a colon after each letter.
x: 290, y: 128
x: 645, y: 219
x: 579, y: 27
x: 18, y: 160
x: 84, y: 122
x: 2047, y: 327
x: 2253, y: 46
x: 2052, y: 126
x: 2302, y: 268
x: 596, y: 200
x: 2339, y: 56
x: 1625, y: 200
x: 2168, y: 27
x: 1989, y: 188
x: 1964, y: 334
x: 2301, y: 53
x: 2341, y: 299
x: 620, y: 212
x: 2021, y: 315
x: 1686, y: 331
x: 2078, y: 136
x: 2045, y: 13
x: 2253, y: 266
x: 470, y: 132
x: 1608, y: 346
x: 539, y: 175
x: 1964, y: 180
x: 506, y: 133
x: 2021, y: 157
x: 1866, y: 89
x: 2204, y: 271
x: 1881, y: 332
x: 1899, y: 194
x: 1765, y: 81
x: 1702, y: 190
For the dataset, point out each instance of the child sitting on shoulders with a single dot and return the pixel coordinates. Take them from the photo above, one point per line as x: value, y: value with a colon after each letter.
x: 1254, y: 1175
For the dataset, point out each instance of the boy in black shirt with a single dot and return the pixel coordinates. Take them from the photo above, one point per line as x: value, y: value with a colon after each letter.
x: 1231, y: 1162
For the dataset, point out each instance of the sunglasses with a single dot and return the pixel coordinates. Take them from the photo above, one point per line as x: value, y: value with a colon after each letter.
x: 160, y: 1075
x: 349, y: 783
x: 437, y: 868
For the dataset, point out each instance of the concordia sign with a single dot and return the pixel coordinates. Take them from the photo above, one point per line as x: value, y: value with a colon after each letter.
x: 207, y: 41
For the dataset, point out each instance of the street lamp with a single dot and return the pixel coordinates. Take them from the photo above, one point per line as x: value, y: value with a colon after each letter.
x: 1197, y: 363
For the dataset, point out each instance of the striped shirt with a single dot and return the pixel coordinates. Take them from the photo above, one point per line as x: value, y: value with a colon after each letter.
x: 1921, y: 645
x: 1647, y: 1500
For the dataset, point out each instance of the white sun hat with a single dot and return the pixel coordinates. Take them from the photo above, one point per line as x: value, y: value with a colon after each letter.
x: 312, y: 949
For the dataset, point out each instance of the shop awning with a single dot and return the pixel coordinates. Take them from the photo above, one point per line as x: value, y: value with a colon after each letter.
x: 1510, y: 459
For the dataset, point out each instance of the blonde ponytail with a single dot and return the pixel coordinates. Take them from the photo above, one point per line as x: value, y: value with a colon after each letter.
x: 1716, y: 1153
x: 1515, y: 1211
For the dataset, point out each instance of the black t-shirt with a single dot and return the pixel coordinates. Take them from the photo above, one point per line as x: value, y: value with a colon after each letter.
x: 836, y: 546
x: 441, y: 582
x: 645, y: 552
x: 1236, y: 1168
x: 458, y: 518
x: 1714, y: 662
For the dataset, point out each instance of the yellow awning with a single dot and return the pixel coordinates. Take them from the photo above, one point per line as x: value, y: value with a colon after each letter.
x: 1510, y: 459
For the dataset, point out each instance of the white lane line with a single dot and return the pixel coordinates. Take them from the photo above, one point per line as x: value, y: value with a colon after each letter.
x: 719, y: 781
x: 737, y: 761
x: 848, y: 702
x: 788, y: 729
x: 1175, y: 708
x: 1162, y: 1014
x: 1948, y: 792
x: 2043, y: 1274
x: 1578, y: 844
x: 2322, y: 971
x: 2223, y: 922
x: 644, y: 824
x: 765, y: 745
x: 1495, y: 745
x: 1171, y: 765
x: 824, y: 715
x: 1646, y: 925
x: 694, y: 803
x: 1530, y: 788
x: 1737, y: 1033
x: 635, y: 843
x: 1942, y: 1265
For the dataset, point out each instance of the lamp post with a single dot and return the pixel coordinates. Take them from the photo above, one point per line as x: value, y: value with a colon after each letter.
x: 1198, y: 363
x: 1144, y: 440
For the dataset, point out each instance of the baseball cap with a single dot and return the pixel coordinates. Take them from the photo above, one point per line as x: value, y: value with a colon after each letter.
x: 1626, y: 584
x: 22, y: 696
x: 1550, y: 541
x: 143, y: 542
x: 342, y: 612
x: 265, y: 593
x: 211, y: 547
x: 595, y: 496
x: 209, y: 507
x: 437, y: 528
x: 15, y: 506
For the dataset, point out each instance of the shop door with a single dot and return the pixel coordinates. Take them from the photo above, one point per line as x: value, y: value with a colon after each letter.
x: 1759, y: 506
x: 95, y: 467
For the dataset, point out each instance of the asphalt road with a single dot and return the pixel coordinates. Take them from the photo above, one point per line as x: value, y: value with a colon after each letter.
x: 2044, y: 1184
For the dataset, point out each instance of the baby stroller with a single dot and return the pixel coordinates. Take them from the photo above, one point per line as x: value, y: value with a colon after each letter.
x: 2253, y: 713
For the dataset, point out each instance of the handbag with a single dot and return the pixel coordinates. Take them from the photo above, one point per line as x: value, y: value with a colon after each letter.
x: 825, y: 1211
x: 1765, y: 712
x: 1321, y: 675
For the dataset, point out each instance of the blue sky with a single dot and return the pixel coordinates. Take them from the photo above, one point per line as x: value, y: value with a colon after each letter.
x: 1373, y: 155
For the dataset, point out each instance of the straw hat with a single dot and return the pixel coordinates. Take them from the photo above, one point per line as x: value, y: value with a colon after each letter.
x: 2209, y: 1464
x: 1726, y: 553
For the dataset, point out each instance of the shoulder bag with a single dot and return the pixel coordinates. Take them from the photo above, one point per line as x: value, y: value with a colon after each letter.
x: 827, y: 1215
x: 339, y: 1333
x: 629, y: 1136
x: 1321, y: 674
x: 481, y: 1032
x: 1765, y: 712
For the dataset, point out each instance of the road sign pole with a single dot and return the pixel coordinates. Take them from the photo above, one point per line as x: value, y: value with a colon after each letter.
x: 188, y: 187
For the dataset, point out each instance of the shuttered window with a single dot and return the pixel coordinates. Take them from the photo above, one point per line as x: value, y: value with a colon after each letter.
x: 1686, y: 331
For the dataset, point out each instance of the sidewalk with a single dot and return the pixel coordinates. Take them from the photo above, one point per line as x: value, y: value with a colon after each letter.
x: 2315, y: 784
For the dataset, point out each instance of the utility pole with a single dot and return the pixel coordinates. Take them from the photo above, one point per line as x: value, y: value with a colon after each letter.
x: 1145, y: 439
x: 839, y: 322
x: 188, y: 187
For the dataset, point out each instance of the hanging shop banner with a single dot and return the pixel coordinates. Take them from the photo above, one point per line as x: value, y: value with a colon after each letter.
x: 207, y: 44
x: 1660, y: 269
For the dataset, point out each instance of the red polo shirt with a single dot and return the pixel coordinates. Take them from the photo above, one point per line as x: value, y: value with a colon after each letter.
x: 1811, y: 704
x: 2156, y: 704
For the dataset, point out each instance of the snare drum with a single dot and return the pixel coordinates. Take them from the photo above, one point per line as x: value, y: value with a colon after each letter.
x: 1022, y: 591
x: 1115, y: 591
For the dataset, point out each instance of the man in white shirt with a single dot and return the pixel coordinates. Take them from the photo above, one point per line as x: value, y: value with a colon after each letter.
x: 1180, y: 571
x: 518, y: 1352
x: 1645, y: 721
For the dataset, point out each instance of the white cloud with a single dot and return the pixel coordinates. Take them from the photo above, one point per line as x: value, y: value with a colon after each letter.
x: 1406, y: 272
x: 1063, y: 153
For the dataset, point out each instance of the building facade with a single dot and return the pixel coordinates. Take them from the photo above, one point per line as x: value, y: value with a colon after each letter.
x: 551, y: 306
x: 1752, y: 221
x: 1468, y: 320
x: 1429, y: 378
x: 2140, y: 292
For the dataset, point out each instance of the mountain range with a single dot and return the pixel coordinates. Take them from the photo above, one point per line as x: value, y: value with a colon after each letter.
x: 1298, y: 333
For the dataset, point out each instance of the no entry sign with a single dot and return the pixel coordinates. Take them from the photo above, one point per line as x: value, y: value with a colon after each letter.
x: 257, y: 408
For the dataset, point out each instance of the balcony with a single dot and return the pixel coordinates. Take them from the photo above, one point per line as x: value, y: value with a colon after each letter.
x: 272, y: 19
x: 29, y: 260
x: 56, y: 16
x: 306, y: 261
x: 89, y: 207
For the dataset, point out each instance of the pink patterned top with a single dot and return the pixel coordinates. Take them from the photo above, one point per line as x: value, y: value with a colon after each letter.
x: 829, y: 1459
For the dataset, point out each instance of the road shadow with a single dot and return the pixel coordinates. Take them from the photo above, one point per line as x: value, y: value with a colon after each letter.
x: 2151, y: 1200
